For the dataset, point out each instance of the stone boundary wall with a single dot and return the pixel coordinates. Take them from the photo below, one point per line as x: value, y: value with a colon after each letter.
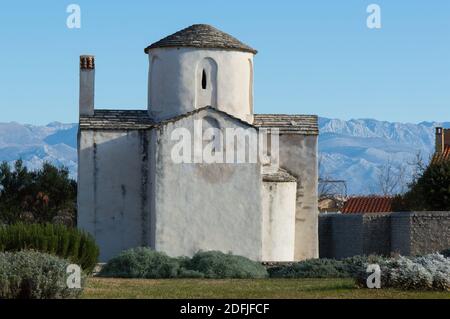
x: 376, y: 234
x: 401, y: 233
x: 406, y: 233
x: 325, y: 236
x: 349, y: 230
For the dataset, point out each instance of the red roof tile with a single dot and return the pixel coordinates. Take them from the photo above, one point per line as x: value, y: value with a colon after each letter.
x: 367, y: 204
x: 440, y: 157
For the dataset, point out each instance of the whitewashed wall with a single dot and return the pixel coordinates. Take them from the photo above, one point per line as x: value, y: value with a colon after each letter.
x: 298, y: 155
x: 205, y: 206
x: 131, y: 194
x: 278, y: 205
x: 175, y: 77
x: 112, y: 189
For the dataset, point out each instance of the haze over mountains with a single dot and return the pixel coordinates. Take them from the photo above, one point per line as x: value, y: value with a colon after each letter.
x: 355, y: 150
x: 55, y: 143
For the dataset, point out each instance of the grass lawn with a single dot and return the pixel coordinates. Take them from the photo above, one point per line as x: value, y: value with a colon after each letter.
x: 241, y: 288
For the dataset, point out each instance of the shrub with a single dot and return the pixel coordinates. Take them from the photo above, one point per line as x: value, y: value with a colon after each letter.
x: 141, y: 262
x: 189, y: 273
x: 69, y: 243
x: 323, y: 268
x: 430, y: 272
x: 147, y: 263
x: 439, y: 268
x: 312, y: 268
x: 446, y: 253
x: 354, y: 265
x: 36, y: 196
x: 215, y: 264
x: 34, y: 275
x: 430, y: 192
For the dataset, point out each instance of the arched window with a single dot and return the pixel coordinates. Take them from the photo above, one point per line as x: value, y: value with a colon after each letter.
x: 204, y: 80
x: 206, y: 83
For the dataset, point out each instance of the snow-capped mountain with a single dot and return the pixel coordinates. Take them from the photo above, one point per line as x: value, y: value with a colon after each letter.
x: 54, y: 143
x: 358, y: 151
x: 355, y: 151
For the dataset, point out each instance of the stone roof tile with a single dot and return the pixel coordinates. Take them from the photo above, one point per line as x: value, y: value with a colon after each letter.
x: 201, y: 36
x: 288, y: 124
x: 117, y: 120
x: 140, y: 120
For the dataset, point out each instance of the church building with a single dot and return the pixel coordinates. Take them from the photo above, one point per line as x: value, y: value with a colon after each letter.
x: 134, y: 190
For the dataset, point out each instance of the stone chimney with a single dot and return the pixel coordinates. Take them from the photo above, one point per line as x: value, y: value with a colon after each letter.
x: 87, y: 80
x: 442, y: 139
x: 439, y: 140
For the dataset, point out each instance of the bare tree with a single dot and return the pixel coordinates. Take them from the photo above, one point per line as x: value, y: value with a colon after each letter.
x: 330, y: 187
x: 418, y: 166
x: 391, y: 178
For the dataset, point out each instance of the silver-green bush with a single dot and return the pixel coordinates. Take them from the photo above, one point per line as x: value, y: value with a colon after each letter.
x: 215, y: 264
x: 323, y: 268
x: 34, y: 275
x: 141, y: 262
x: 146, y: 263
x: 311, y: 268
x: 72, y: 244
x: 439, y: 267
x: 430, y: 272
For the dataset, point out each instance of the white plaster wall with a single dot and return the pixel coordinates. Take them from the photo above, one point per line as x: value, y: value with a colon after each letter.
x: 87, y: 91
x: 278, y: 206
x: 113, y: 189
x: 175, y: 82
x: 205, y: 206
x: 298, y: 155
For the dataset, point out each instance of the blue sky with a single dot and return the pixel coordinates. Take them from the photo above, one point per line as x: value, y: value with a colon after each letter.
x: 315, y: 57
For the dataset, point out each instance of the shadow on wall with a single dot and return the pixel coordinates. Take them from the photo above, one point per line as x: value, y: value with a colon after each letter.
x: 113, y: 189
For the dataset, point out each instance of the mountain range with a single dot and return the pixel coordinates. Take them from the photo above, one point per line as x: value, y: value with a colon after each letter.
x: 354, y: 151
x: 361, y: 151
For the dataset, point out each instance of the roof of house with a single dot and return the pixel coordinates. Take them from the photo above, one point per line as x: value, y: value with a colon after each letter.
x: 443, y: 156
x: 136, y: 119
x: 117, y: 120
x: 288, y: 124
x: 140, y: 120
x: 201, y: 36
x: 279, y: 176
x: 367, y: 204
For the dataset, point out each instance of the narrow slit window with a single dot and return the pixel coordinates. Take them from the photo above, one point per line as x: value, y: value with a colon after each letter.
x: 204, y: 80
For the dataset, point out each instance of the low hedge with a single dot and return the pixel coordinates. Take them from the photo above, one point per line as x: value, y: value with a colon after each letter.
x: 146, y: 263
x: 34, y: 275
x: 215, y: 264
x: 69, y: 243
x: 313, y: 268
x: 322, y: 268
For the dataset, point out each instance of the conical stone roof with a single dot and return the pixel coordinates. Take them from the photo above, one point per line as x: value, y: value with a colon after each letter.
x: 201, y: 36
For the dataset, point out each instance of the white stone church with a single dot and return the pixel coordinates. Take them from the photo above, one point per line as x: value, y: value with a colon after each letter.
x: 132, y: 193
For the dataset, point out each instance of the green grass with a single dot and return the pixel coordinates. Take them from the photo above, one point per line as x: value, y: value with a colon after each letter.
x: 241, y: 288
